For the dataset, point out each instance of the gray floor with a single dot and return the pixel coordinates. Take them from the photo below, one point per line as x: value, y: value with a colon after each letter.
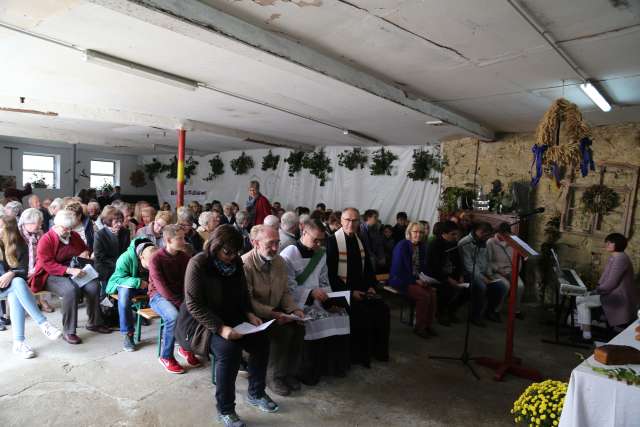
x: 98, y: 384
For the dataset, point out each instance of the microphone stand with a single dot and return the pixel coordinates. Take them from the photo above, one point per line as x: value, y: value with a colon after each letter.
x: 465, y: 358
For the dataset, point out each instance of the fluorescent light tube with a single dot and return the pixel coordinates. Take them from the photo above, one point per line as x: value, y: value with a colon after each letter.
x: 360, y: 136
x: 115, y: 63
x: 597, y: 98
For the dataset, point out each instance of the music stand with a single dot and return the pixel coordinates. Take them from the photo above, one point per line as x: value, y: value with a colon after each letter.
x: 510, y: 363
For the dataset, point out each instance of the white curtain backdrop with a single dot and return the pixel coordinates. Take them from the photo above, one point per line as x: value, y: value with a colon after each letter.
x: 387, y: 194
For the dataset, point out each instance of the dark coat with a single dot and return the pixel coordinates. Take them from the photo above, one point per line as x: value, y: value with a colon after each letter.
x: 401, y: 275
x: 106, y: 251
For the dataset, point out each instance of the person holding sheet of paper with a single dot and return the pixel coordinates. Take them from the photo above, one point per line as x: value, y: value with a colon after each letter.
x: 56, y: 249
x: 408, y: 262
x: 326, y: 340
x: 350, y: 269
x: 266, y: 274
x: 216, y: 300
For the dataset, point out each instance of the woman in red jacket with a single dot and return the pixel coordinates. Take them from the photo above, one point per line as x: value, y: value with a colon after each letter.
x: 257, y: 205
x: 52, y: 272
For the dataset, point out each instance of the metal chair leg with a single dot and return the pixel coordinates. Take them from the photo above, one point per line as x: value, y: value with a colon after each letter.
x: 160, y: 329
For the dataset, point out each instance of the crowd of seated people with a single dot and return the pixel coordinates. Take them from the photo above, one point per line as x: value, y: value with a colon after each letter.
x: 207, y: 269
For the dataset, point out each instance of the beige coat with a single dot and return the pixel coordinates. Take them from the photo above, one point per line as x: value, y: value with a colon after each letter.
x: 268, y: 285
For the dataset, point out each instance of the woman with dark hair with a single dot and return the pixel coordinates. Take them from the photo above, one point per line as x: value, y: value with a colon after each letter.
x: 14, y: 264
x: 388, y: 243
x: 217, y: 300
x: 615, y: 291
x: 109, y: 243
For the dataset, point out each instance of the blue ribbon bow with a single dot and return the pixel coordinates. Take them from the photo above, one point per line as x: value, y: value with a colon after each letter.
x: 538, y: 153
x: 587, y: 157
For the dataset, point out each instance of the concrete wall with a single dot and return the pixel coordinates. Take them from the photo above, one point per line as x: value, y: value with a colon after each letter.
x: 509, y: 159
x: 128, y: 163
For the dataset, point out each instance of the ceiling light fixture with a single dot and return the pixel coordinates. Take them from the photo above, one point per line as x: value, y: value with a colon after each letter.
x: 435, y: 122
x: 360, y: 136
x: 115, y: 63
x: 592, y: 92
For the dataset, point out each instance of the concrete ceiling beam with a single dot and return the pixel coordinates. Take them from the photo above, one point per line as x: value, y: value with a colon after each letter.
x: 194, y: 19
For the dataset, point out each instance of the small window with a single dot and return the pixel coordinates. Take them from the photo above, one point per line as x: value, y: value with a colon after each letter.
x: 40, y: 170
x: 102, y: 172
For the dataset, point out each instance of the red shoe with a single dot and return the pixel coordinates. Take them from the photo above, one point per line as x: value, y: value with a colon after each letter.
x: 171, y: 365
x: 189, y: 357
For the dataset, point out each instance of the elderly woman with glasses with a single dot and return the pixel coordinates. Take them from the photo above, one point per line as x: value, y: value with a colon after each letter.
x: 110, y: 242
x: 217, y: 300
x: 52, y: 272
x: 208, y: 221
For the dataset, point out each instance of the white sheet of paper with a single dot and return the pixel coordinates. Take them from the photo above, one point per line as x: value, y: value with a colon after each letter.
x: 296, y: 318
x: 428, y: 279
x: 525, y: 245
x: 247, y: 328
x: 346, y: 294
x: 90, y: 273
x: 463, y: 285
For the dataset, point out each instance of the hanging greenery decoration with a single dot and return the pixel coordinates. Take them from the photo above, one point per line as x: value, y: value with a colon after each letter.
x: 217, y: 168
x: 454, y: 198
x: 382, y: 162
x: 242, y: 164
x: 152, y: 169
x: 295, y: 162
x: 600, y: 199
x: 352, y: 159
x: 190, y: 166
x: 319, y: 165
x: 137, y: 178
x: 425, y: 165
x: 270, y: 161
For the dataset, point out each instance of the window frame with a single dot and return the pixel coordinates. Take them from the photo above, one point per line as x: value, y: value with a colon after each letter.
x: 55, y: 171
x: 116, y: 170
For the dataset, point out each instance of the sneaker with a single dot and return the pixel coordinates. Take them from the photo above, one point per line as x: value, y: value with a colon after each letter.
x: 129, y: 344
x: 22, y: 349
x: 189, y: 357
x: 50, y: 331
x: 231, y: 420
x: 171, y: 365
x: 264, y: 403
x: 279, y: 387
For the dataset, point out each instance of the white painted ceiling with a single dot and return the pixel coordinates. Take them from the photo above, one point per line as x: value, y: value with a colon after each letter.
x: 477, y: 58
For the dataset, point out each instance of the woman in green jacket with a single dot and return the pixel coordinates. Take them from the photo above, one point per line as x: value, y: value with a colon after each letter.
x: 130, y: 279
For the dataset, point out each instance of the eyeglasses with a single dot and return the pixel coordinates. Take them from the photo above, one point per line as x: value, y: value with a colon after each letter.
x: 230, y: 252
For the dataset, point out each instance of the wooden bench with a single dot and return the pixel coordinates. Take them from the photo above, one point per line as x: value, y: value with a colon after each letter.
x: 405, y: 301
x: 149, y: 314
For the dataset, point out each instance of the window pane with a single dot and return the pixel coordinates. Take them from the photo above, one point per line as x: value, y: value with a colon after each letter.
x: 31, y: 161
x: 34, y: 177
x: 102, y: 167
x: 98, y: 181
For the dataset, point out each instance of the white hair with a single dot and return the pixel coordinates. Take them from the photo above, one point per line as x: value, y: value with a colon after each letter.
x: 15, y: 207
x: 204, y: 218
x: 30, y: 216
x: 289, y: 221
x: 303, y: 218
x: 241, y: 216
x: 184, y: 214
x: 56, y: 203
x: 31, y: 197
x: 65, y: 218
x: 272, y: 221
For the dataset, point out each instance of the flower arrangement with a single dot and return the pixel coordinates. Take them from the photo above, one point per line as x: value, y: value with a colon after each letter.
x: 425, y: 164
x: 540, y: 404
x: 382, y: 162
x: 153, y: 169
x: 295, y: 162
x: 270, y: 161
x: 190, y: 166
x: 600, y: 199
x: 318, y: 164
x: 106, y: 188
x: 454, y: 198
x: 242, y: 164
x: 352, y: 159
x: 137, y: 178
x: 39, y: 182
x: 217, y: 168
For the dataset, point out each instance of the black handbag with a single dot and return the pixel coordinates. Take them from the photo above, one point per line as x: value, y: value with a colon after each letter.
x: 78, y: 262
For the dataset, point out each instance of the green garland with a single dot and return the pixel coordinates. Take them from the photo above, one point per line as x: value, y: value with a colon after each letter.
x: 318, y: 164
x: 600, y: 199
x: 425, y: 164
x: 449, y: 199
x: 217, y: 168
x: 270, y: 161
x: 152, y: 169
x: 242, y: 164
x: 190, y: 166
x: 295, y: 162
x: 382, y: 162
x: 352, y: 159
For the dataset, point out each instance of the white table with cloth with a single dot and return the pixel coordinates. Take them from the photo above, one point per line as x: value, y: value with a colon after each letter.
x: 594, y: 400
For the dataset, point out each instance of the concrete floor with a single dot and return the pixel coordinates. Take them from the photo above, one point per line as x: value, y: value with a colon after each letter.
x: 98, y: 384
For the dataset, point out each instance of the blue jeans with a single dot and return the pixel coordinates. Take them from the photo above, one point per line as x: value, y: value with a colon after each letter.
x: 169, y: 314
x: 124, y: 307
x: 21, y: 299
x: 494, y: 292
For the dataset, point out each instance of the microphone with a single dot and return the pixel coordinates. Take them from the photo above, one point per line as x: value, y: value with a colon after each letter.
x: 533, y: 212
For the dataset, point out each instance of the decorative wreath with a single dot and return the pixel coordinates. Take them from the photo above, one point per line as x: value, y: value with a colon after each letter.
x: 137, y: 178
x: 600, y: 199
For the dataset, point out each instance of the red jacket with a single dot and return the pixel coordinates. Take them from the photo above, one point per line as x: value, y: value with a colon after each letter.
x: 263, y: 209
x: 46, y: 258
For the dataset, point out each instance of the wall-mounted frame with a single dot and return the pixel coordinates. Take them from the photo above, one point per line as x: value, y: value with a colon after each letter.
x: 621, y: 177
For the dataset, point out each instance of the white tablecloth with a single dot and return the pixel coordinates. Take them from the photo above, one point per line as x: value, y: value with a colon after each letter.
x: 594, y: 400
